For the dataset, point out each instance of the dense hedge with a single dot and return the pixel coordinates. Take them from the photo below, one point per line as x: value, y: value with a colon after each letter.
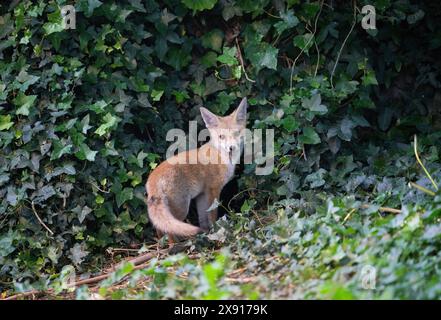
x: 84, y: 112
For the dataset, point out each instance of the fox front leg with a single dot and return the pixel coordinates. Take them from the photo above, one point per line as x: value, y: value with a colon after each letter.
x: 203, y: 203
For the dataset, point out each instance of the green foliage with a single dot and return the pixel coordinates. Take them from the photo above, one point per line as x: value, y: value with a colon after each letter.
x: 84, y: 114
x: 199, y: 5
x: 299, y: 255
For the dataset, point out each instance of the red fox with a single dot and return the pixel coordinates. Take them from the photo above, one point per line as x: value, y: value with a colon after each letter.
x: 175, y: 182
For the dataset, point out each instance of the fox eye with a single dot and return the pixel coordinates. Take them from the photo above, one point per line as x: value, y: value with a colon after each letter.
x: 222, y: 136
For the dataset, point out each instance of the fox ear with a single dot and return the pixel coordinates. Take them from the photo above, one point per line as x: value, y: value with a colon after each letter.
x: 209, y: 118
x: 241, y: 112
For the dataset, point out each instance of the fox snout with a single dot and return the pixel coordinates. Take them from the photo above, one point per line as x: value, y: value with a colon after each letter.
x: 230, y: 146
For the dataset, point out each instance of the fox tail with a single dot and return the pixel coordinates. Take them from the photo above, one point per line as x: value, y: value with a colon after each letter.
x: 163, y: 220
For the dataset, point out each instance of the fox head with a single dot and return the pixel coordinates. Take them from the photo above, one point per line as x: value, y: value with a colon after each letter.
x: 227, y: 133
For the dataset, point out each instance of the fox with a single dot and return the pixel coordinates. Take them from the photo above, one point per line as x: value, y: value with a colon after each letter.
x: 172, y: 185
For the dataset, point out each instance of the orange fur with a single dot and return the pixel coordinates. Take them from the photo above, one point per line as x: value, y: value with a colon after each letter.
x: 173, y: 184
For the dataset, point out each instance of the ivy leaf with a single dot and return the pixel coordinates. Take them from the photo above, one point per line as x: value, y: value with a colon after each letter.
x: 228, y: 56
x: 224, y: 100
x: 67, y: 169
x: 98, y: 107
x: 84, y: 212
x: 24, y: 103
x: 59, y: 149
x: 178, y: 58
x: 161, y: 48
x: 346, y: 127
x: 213, y: 40
x: 361, y: 121
x: 136, y: 4
x: 5, y: 122
x: 78, y: 253
x: 124, y: 195
x: 140, y: 158
x: 84, y: 124
x: 311, y: 9
x: 157, y: 94
x: 199, y: 5
x: 369, y: 78
x: 262, y: 55
x: 12, y: 197
x: 180, y: 96
x: 6, y: 244
x: 81, y: 212
x: 125, y: 223
x: 25, y: 79
x: 289, y: 21
x: 220, y: 235
x: 237, y: 72
x: 304, y: 41
x: 213, y: 85
x: 167, y: 17
x: 43, y: 194
x: 85, y: 153
x: 316, y: 179
x: 209, y: 59
x: 315, y: 104
x: 346, y: 87
x: 139, y: 85
x: 88, y: 6
x: 245, y: 206
x: 230, y: 10
x: 290, y: 123
x: 55, y: 23
x: 309, y: 136
x: 109, y: 121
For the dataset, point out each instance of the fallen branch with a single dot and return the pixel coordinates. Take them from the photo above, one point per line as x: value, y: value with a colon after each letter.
x: 425, y: 190
x: 366, y: 206
x: 241, y: 280
x: 415, y: 148
x: 140, y: 259
x: 138, y: 262
x: 384, y: 209
x: 24, y: 295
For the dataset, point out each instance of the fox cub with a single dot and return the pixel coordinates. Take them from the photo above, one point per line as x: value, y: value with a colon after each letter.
x: 175, y: 182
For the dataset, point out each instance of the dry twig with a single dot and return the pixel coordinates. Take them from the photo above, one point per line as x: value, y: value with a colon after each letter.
x: 344, y: 43
x: 306, y: 45
x: 39, y: 219
x: 384, y: 209
x: 239, y: 55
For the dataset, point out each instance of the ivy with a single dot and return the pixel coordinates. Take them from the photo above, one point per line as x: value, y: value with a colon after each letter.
x: 84, y: 114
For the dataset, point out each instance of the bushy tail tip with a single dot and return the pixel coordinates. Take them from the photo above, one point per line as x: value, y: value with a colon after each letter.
x: 163, y: 220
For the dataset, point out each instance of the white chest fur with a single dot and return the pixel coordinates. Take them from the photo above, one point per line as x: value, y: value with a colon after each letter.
x: 230, y: 172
